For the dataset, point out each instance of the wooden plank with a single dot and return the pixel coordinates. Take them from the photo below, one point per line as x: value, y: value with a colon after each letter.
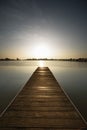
x: 42, y: 104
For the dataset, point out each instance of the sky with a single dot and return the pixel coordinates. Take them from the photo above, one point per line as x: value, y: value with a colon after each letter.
x: 43, y: 28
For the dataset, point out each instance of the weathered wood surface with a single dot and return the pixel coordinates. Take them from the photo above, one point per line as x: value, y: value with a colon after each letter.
x: 41, y: 105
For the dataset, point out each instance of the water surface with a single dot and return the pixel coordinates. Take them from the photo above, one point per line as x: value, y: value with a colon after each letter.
x: 70, y: 75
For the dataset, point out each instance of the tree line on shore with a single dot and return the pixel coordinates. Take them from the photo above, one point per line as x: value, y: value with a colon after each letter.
x: 69, y: 59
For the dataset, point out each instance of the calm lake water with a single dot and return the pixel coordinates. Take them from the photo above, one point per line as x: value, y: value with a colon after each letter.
x: 72, y: 77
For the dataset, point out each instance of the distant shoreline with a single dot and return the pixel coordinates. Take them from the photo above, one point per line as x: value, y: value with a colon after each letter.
x: 45, y: 59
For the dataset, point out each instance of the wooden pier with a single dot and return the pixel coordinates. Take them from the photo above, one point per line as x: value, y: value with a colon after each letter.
x: 40, y: 105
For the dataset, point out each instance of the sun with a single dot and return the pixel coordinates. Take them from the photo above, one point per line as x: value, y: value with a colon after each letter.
x: 41, y: 51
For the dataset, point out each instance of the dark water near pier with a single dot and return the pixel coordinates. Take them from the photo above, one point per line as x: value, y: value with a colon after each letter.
x: 72, y: 76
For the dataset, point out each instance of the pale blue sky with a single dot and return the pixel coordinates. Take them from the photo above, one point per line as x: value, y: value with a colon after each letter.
x: 59, y: 27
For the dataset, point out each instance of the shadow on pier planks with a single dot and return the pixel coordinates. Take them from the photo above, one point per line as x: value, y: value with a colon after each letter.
x: 40, y: 105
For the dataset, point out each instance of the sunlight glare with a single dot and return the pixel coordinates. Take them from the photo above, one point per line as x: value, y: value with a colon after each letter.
x: 41, y: 51
x: 41, y: 63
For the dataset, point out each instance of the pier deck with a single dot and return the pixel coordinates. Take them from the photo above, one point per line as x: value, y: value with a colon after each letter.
x: 41, y: 104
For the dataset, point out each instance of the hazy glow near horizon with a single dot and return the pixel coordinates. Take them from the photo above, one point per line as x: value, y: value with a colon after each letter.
x: 41, y: 51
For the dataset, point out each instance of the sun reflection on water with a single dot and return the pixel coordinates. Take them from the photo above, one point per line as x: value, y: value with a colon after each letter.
x: 41, y: 63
